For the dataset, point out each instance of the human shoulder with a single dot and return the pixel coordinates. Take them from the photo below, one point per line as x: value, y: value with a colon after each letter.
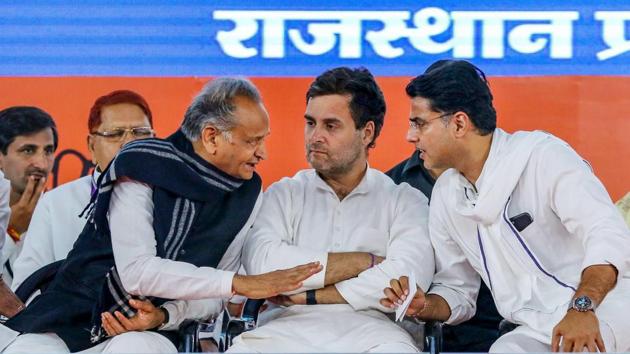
x: 402, y: 192
x: 80, y: 185
x: 555, y: 155
x: 289, y: 185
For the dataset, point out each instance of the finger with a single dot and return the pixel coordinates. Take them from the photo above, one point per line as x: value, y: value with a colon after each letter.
x: 40, y: 184
x: 115, y: 326
x: 404, y: 283
x: 301, y: 273
x: 125, y: 322
x: 106, y: 325
x: 592, y: 347
x: 555, y: 341
x: 578, y: 346
x: 398, y: 289
x: 144, y: 305
x: 28, y: 191
x: 387, y: 303
x: 392, y: 296
x: 599, y: 341
x: 108, y: 329
x: 567, y: 345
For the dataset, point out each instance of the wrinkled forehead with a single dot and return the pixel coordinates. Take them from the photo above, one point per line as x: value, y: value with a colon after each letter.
x: 123, y: 115
x: 250, y: 117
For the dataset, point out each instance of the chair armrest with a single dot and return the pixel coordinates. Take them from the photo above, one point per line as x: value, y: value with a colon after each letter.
x: 433, y: 339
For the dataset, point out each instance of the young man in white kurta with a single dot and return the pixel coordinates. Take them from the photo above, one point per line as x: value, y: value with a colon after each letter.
x: 54, y: 227
x: 533, y: 273
x: 523, y: 212
x: 338, y: 213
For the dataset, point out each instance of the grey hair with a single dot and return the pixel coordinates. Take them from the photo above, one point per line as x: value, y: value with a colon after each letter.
x: 214, y: 105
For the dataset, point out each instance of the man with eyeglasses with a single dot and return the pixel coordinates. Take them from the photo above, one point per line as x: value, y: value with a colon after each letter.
x: 478, y: 333
x: 115, y: 119
x: 524, y: 213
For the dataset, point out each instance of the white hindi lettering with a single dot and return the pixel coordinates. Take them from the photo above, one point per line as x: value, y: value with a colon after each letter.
x: 613, y: 33
x: 326, y: 30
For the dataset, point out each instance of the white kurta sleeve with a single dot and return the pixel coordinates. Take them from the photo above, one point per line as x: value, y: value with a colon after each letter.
x: 409, y: 249
x: 202, y: 309
x: 269, y: 244
x: 455, y: 280
x: 5, y: 209
x: 37, y: 249
x: 181, y: 310
x: 584, y: 207
x: 134, y: 246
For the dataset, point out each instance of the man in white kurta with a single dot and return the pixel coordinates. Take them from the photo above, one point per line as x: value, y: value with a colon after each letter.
x: 524, y: 213
x: 28, y: 141
x: 341, y: 207
x: 56, y: 221
x: 131, y: 211
x: 54, y: 227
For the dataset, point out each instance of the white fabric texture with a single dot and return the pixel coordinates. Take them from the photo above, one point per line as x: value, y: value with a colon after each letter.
x: 302, y: 220
x: 5, y: 209
x: 130, y: 342
x: 532, y: 273
x: 143, y: 273
x: 54, y: 227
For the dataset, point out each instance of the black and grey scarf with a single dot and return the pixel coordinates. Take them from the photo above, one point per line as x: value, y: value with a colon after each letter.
x: 182, y: 183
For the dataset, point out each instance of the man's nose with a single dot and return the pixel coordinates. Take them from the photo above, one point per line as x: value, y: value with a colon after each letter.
x: 412, y: 136
x: 261, y: 152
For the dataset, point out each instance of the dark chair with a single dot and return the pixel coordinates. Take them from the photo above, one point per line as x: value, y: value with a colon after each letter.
x: 433, y: 341
x: 506, y: 326
x: 221, y: 331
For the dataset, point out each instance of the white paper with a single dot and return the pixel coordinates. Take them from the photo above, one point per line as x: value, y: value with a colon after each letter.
x: 400, y: 311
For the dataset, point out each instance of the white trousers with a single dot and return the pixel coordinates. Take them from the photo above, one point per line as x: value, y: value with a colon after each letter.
x: 130, y: 342
x: 395, y: 347
x: 525, y: 340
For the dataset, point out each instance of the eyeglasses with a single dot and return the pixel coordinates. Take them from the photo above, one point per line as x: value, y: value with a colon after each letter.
x: 116, y: 135
x: 421, y: 124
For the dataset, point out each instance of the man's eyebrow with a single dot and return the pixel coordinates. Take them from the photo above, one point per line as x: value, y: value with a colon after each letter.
x: 25, y: 146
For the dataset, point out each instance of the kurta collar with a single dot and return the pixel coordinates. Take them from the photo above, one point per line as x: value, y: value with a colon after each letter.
x: 362, y: 188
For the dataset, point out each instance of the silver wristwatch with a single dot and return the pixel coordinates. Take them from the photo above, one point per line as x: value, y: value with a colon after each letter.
x: 582, y: 304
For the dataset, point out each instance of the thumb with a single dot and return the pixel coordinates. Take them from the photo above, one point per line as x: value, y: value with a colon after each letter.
x: 143, y: 305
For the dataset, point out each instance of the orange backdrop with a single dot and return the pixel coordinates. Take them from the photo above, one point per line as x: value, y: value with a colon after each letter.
x: 590, y: 113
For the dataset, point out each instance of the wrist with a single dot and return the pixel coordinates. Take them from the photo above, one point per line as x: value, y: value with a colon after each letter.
x: 311, y: 297
x: 14, y: 233
x: 164, y: 318
x: 237, y: 284
x: 372, y: 260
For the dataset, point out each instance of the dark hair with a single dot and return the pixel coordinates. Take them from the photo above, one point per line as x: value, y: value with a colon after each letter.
x: 367, y: 102
x: 116, y: 97
x: 23, y: 120
x: 457, y: 85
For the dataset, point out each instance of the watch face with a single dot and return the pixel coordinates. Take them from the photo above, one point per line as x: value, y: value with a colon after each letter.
x: 582, y: 303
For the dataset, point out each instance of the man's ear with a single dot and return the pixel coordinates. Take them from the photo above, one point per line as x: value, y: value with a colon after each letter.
x: 90, y: 146
x: 210, y: 139
x: 461, y: 124
x: 368, y: 132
